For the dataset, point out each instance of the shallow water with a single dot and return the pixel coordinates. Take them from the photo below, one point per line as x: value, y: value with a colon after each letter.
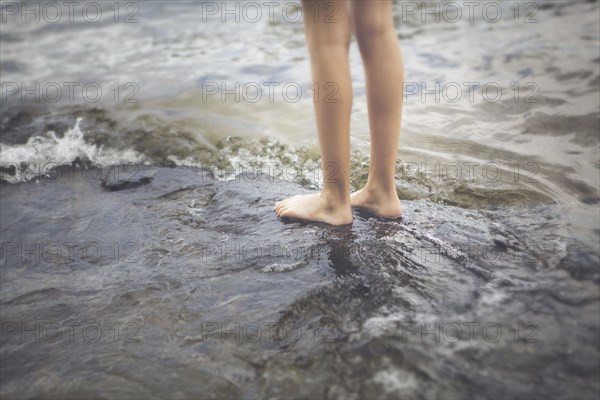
x: 174, y: 245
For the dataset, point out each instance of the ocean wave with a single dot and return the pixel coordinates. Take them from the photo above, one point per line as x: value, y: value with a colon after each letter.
x: 37, y: 157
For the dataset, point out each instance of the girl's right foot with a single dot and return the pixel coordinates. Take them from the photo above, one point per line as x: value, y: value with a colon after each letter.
x: 315, y: 207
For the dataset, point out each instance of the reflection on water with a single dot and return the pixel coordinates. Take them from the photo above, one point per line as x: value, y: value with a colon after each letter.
x: 196, y: 286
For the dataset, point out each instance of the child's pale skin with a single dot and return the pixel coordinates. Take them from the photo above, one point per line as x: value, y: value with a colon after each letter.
x: 328, y: 45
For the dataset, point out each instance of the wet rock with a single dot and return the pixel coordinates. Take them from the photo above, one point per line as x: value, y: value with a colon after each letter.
x: 501, y: 241
x: 198, y: 273
x: 118, y: 178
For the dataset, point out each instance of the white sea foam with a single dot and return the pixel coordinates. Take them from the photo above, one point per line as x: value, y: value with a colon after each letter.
x: 395, y: 380
x: 42, y: 153
x: 281, y: 267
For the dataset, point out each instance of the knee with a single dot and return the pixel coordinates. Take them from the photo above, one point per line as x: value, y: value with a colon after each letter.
x: 373, y: 28
x: 370, y: 33
x: 324, y: 29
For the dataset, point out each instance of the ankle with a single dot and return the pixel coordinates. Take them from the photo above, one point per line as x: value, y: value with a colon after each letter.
x: 334, y: 198
x: 381, y: 190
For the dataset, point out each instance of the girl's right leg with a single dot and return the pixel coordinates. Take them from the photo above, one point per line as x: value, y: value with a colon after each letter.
x: 328, y: 40
x: 384, y: 72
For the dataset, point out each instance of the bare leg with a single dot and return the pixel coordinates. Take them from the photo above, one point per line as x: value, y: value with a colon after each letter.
x: 328, y: 45
x: 384, y: 71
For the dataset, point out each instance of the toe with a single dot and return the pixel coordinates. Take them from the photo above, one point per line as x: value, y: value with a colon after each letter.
x: 283, y: 211
x: 280, y: 210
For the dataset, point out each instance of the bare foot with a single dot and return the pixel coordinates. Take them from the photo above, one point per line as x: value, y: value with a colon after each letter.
x: 384, y: 204
x: 314, y: 207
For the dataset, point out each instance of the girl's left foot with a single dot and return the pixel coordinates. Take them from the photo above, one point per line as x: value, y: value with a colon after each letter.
x: 383, y: 203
